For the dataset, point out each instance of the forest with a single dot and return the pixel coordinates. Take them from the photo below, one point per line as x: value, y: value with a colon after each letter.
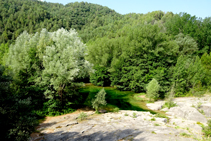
x: 48, y: 51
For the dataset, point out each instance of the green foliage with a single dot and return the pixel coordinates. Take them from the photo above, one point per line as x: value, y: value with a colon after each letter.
x: 126, y: 114
x: 127, y: 51
x: 190, y: 25
x: 169, y: 104
x: 116, y: 110
x: 187, y: 45
x: 3, y: 50
x: 52, y: 61
x: 170, y: 97
x: 185, y: 135
x: 152, y: 89
x: 161, y: 115
x: 207, y: 129
x: 32, y: 16
x: 188, y: 73
x: 134, y: 115
x: 153, y: 119
x: 82, y: 116
x: 16, y: 118
x: 100, y: 77
x: 153, y: 132
x: 99, y: 100
x: 156, y: 124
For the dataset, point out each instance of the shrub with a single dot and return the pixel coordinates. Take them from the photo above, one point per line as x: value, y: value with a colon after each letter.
x: 156, y: 124
x: 152, y: 89
x: 100, y: 100
x: 82, y: 116
x: 153, y: 119
x: 126, y: 114
x: 116, y: 110
x: 169, y: 103
x: 134, y: 115
x: 207, y: 129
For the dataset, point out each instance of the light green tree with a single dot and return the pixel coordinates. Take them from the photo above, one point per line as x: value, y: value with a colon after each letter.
x: 53, y: 60
x: 64, y: 61
x: 99, y: 100
x: 187, y: 45
x: 152, y: 89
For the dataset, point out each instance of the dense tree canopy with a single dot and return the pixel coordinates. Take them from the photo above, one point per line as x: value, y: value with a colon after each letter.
x: 49, y: 50
x: 17, y: 16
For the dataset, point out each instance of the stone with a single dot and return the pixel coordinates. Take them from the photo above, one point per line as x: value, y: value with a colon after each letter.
x: 103, y: 111
x: 72, y: 123
x: 164, y: 109
x: 163, y: 120
x: 189, y: 113
x: 123, y: 126
x: 154, y: 106
x: 207, y: 109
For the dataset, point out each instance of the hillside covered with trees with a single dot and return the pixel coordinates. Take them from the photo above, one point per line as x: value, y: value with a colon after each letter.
x: 48, y: 51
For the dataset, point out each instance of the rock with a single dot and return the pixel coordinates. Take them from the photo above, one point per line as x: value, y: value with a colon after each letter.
x: 154, y: 106
x: 189, y: 113
x: 207, y: 109
x: 71, y: 123
x: 164, y: 109
x: 124, y: 126
x: 164, y: 120
x: 187, y: 124
x: 103, y: 111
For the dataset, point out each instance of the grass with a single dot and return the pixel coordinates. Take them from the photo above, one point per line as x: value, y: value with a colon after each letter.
x: 126, y: 114
x: 153, y: 132
x: 199, y: 105
x: 162, y: 115
x: 137, y: 97
x: 156, y: 124
x: 153, y: 119
x: 199, y: 123
x: 169, y: 105
x: 116, y: 110
x: 201, y: 111
x: 134, y: 115
x: 177, y: 127
x: 82, y: 116
x: 185, y: 135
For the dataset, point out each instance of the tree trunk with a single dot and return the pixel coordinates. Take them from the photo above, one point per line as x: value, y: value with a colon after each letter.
x: 61, y: 88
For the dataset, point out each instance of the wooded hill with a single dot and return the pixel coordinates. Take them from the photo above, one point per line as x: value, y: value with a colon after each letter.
x: 44, y: 61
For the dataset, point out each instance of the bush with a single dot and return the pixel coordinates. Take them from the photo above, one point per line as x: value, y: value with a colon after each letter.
x: 100, y: 100
x: 153, y: 119
x: 82, y: 116
x: 116, y: 110
x: 169, y: 103
x: 134, y: 115
x: 207, y: 129
x: 152, y: 89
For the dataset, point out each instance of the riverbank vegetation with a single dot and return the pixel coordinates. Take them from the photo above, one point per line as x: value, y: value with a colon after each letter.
x: 49, y: 51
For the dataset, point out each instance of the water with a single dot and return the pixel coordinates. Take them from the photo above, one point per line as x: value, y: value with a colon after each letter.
x: 124, y: 100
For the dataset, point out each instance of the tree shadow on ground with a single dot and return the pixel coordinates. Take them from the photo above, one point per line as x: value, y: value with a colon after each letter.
x: 118, y: 135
